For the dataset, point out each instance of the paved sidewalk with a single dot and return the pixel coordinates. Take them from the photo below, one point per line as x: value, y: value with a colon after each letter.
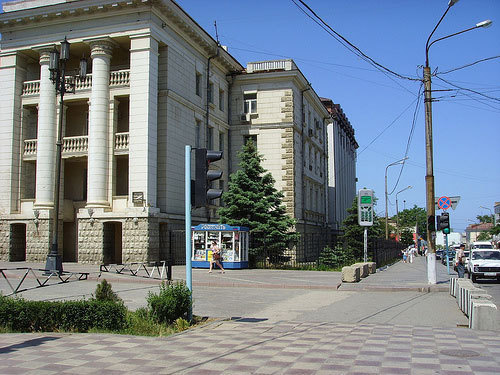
x: 405, y: 277
x: 247, y: 347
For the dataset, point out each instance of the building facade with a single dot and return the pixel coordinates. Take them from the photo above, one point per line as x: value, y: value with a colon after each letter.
x: 157, y: 82
x: 342, y: 179
x: 273, y: 104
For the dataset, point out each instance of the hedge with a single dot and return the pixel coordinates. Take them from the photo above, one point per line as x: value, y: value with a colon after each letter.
x: 21, y: 315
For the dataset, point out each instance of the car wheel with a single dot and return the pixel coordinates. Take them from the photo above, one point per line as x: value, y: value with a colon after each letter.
x: 473, y: 277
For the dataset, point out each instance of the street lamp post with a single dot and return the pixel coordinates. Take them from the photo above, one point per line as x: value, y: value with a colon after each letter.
x: 401, y: 161
x: 397, y: 211
x: 429, y: 177
x: 489, y: 209
x: 57, y: 67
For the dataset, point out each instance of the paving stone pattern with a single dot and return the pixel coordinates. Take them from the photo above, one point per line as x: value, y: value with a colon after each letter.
x: 254, y: 347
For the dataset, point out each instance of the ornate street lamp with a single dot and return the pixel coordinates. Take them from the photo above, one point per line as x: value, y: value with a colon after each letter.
x: 57, y: 67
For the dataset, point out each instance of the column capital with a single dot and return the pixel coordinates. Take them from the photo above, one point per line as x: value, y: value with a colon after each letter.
x: 44, y: 52
x: 101, y: 46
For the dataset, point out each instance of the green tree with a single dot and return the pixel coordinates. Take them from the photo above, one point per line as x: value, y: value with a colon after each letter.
x: 485, y: 218
x: 253, y: 201
x: 416, y: 215
x: 484, y: 236
x: 354, y: 233
x: 407, y: 237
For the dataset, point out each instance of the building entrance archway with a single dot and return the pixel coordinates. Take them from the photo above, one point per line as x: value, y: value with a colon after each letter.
x: 17, y: 245
x: 112, y: 242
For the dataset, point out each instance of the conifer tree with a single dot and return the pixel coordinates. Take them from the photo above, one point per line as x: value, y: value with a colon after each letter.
x: 253, y: 201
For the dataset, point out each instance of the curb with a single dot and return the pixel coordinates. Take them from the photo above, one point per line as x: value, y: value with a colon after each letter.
x: 381, y: 288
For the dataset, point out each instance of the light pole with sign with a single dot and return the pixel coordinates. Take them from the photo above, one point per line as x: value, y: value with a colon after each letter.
x: 365, y: 215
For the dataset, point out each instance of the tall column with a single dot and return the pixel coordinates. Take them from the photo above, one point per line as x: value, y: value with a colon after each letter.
x: 143, y: 117
x: 12, y: 76
x: 47, y: 134
x: 98, y: 151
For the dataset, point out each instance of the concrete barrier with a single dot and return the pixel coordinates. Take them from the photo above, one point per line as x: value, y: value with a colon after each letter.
x: 351, y: 274
x: 363, y: 269
x: 462, y: 285
x: 453, y: 286
x: 475, y: 296
x: 372, y: 267
x: 483, y: 315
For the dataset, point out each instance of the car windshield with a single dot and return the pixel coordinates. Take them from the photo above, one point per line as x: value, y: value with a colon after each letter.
x: 486, y: 255
x: 485, y: 246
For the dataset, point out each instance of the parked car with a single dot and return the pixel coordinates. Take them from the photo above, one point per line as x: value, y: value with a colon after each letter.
x: 451, y: 257
x: 439, y: 254
x: 484, y: 263
x: 482, y: 245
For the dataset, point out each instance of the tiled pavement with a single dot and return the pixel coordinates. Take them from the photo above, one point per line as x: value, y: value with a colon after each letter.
x: 254, y: 347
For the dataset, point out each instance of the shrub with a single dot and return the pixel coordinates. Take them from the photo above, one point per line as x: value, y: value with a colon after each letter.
x: 173, y: 301
x: 21, y: 315
x: 104, y: 292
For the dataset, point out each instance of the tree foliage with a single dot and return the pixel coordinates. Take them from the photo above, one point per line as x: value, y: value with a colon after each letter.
x: 354, y: 233
x: 253, y: 201
x: 485, y: 218
x: 416, y: 215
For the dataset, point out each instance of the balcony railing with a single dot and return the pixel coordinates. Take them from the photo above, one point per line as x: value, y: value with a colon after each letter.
x: 76, y: 146
x: 121, y: 143
x: 117, y: 78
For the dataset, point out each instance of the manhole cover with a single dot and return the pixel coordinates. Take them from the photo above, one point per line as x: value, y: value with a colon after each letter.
x: 460, y: 353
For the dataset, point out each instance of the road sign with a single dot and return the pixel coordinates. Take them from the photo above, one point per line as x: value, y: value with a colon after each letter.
x: 444, y: 203
x: 365, y: 207
x: 453, y: 202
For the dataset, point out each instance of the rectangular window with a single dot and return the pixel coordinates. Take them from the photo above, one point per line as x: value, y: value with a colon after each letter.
x: 210, y: 138
x: 210, y: 92
x: 221, y: 141
x: 197, y: 135
x: 198, y: 84
x: 221, y: 100
x: 250, y: 103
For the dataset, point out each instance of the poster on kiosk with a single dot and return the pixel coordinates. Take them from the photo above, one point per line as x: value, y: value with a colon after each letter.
x: 233, y: 242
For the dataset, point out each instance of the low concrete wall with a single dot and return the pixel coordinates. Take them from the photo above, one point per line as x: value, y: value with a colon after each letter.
x: 476, y: 304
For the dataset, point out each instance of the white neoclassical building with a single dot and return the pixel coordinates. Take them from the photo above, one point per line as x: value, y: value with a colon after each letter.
x: 157, y: 82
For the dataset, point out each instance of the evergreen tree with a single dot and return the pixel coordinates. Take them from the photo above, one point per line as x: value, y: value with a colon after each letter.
x: 253, y: 201
x: 354, y: 233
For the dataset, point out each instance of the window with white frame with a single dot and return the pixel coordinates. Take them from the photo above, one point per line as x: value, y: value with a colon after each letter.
x: 221, y: 141
x: 210, y: 92
x: 210, y: 138
x: 197, y: 133
x: 198, y: 84
x: 250, y: 103
x: 221, y: 99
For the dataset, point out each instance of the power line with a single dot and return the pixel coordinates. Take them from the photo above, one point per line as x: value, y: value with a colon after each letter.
x: 467, y: 65
x: 470, y: 90
x: 410, y: 136
x: 347, y: 44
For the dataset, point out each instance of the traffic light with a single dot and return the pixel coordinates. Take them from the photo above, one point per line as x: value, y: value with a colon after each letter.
x: 443, y: 223
x: 203, y: 176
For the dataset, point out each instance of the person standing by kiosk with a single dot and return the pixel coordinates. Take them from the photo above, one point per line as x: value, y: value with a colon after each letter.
x: 216, y: 257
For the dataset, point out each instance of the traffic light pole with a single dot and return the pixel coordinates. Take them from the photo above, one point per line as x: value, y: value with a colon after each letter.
x: 187, y: 196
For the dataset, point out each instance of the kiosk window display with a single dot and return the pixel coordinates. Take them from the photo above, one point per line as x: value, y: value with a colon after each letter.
x: 233, y: 242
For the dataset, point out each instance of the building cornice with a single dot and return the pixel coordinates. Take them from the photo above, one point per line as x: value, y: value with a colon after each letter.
x: 166, y: 10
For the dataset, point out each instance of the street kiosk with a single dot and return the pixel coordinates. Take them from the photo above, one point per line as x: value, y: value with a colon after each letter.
x: 233, y: 242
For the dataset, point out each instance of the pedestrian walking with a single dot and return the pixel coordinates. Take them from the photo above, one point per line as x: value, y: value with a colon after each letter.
x: 216, y: 257
x: 411, y: 254
x: 461, y: 261
x: 405, y: 255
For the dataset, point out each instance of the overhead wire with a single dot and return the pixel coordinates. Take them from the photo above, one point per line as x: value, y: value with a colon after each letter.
x: 467, y: 65
x: 347, y: 44
x: 410, y: 136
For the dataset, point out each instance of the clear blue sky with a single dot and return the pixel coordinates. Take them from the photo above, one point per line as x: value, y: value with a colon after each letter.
x: 380, y: 107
